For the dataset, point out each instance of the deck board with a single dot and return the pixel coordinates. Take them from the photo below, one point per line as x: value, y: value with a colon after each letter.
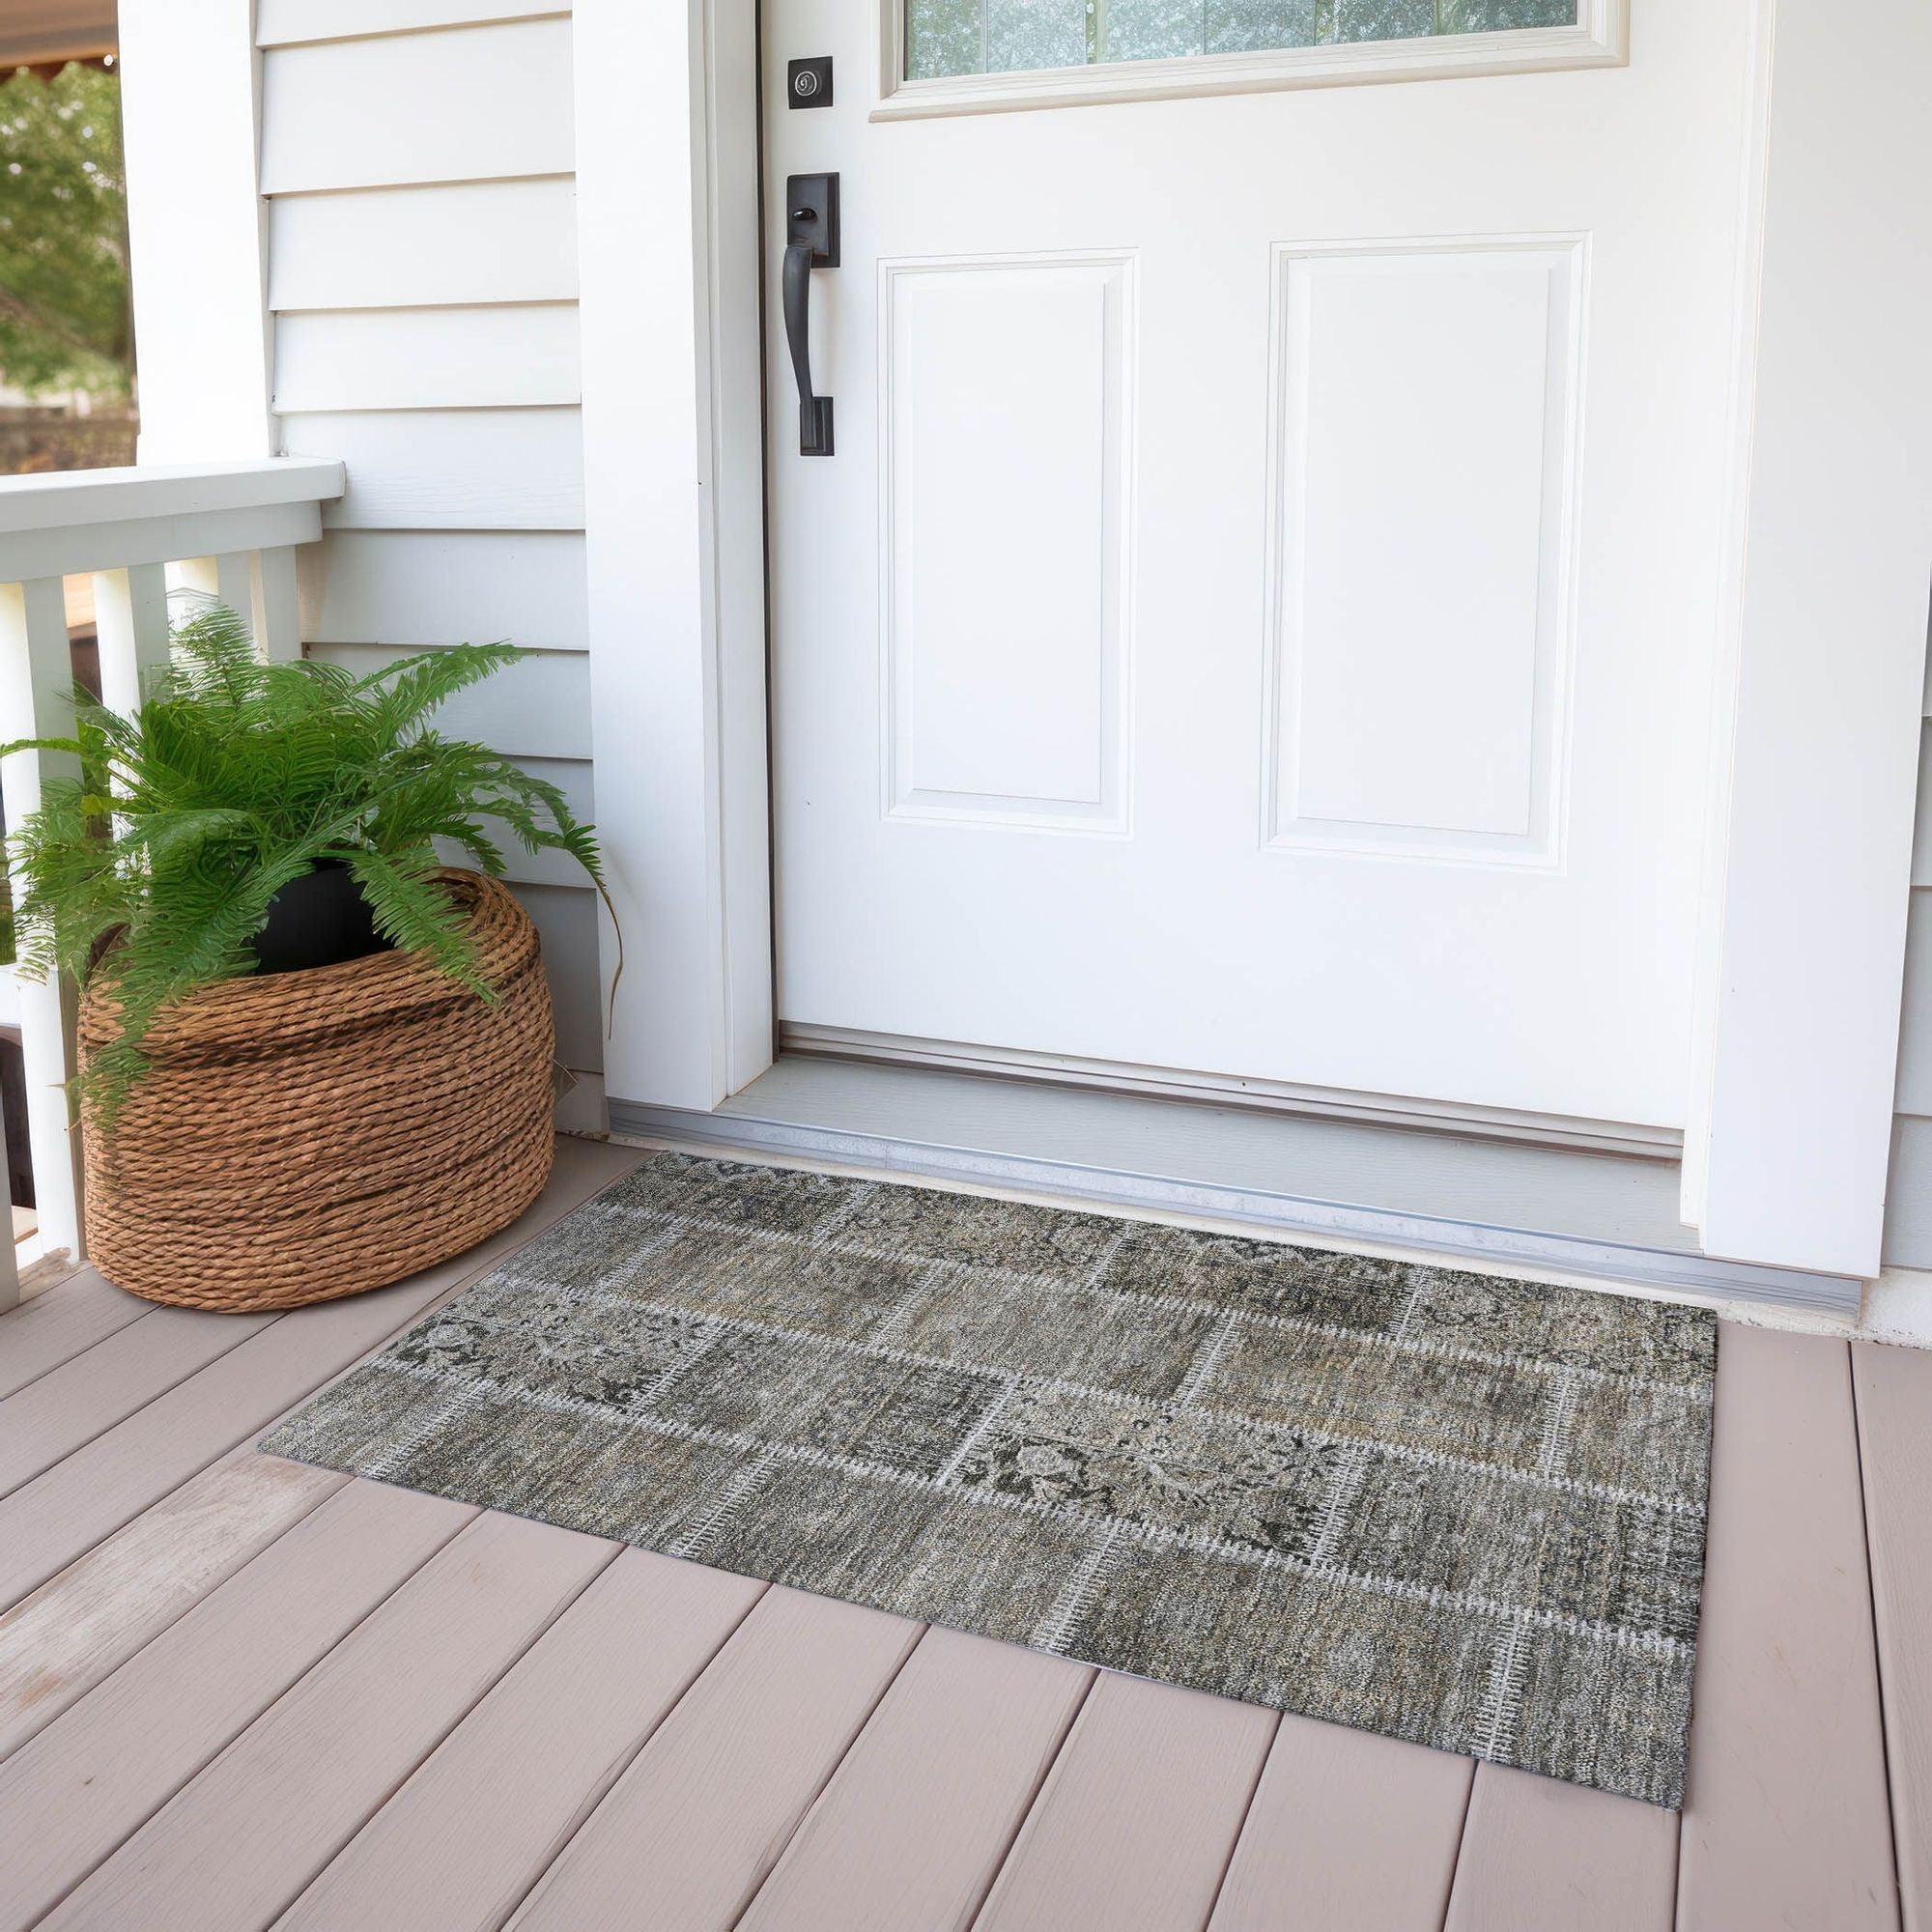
x: 88, y: 1394
x: 73, y: 1633
x: 90, y: 1780
x: 1136, y: 1823
x: 240, y: 1841
x: 1316, y: 1850
x: 1536, y: 1854
x: 58, y: 1323
x: 465, y: 1838
x: 910, y: 1832
x: 1787, y: 1820
x: 1895, y: 1403
x: 690, y: 1831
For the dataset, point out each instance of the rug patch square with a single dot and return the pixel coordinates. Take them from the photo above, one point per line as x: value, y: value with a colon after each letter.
x: 887, y: 1410
x: 780, y: 1283
x: 913, y: 1551
x: 1155, y: 1465
x: 1010, y: 1235
x: 1235, y: 1272
x: 1356, y: 1385
x: 1074, y: 1333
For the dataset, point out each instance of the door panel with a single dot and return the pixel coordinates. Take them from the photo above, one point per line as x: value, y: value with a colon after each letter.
x: 1260, y: 617
x: 1004, y: 450
x: 1431, y: 392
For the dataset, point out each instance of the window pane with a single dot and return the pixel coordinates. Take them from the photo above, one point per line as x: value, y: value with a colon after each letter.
x: 948, y: 36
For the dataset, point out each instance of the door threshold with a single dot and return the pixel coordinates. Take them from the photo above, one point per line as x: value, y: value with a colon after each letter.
x: 1608, y: 1217
x: 1220, y: 1090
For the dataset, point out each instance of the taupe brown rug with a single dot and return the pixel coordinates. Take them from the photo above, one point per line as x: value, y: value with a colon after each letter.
x: 1443, y: 1506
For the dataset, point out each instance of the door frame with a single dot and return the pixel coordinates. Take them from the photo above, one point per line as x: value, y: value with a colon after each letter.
x: 1799, y: 990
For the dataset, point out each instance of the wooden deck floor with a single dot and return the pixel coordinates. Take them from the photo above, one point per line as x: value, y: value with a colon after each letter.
x: 235, y: 1692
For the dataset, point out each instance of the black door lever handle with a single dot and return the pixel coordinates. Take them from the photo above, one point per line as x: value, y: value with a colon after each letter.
x: 811, y: 241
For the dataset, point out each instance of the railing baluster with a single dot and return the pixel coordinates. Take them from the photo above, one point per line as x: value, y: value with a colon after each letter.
x: 277, y: 616
x: 10, y: 1263
x: 235, y: 583
x: 130, y: 616
x: 35, y: 686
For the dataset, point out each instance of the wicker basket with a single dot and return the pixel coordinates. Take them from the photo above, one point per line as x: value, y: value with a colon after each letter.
x: 308, y: 1135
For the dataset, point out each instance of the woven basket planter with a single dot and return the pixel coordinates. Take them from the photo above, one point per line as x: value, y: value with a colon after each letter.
x: 308, y: 1135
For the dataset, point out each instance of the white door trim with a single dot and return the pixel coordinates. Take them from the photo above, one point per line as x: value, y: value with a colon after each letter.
x: 1809, y: 873
x: 1807, y: 882
x: 668, y: 241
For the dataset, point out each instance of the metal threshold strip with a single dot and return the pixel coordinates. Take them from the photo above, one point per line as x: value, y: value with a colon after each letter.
x: 1608, y: 1217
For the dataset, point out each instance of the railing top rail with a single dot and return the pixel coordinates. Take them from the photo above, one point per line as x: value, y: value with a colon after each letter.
x: 66, y: 498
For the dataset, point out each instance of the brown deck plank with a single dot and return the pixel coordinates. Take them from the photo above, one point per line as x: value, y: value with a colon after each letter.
x: 1135, y: 1824
x: 88, y: 1781
x: 689, y: 1832
x: 58, y: 1323
x: 70, y: 1634
x: 909, y: 1833
x: 91, y: 1392
x: 1539, y: 1853
x: 239, y: 1842
x: 57, y: 1516
x: 1786, y: 1821
x: 1347, y: 1829
x: 1894, y: 1403
x: 464, y: 1839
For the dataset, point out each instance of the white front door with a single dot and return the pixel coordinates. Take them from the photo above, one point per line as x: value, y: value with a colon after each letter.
x: 1257, y: 618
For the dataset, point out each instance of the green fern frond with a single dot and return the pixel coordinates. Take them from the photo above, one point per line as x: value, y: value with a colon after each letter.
x: 235, y: 777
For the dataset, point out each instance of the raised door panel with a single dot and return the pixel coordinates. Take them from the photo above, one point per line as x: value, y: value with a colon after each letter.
x: 1006, y: 446
x: 1424, y: 474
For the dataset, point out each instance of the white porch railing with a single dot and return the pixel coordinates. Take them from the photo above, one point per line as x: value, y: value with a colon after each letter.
x: 227, y: 529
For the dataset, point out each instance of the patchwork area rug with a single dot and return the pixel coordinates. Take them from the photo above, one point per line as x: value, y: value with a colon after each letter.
x: 1439, y: 1505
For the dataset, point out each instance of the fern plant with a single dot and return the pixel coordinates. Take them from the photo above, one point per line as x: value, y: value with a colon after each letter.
x: 237, y: 776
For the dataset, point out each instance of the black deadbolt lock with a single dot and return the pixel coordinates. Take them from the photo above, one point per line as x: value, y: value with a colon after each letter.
x: 808, y: 82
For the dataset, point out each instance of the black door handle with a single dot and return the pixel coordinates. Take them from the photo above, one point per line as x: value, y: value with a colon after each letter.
x: 811, y: 241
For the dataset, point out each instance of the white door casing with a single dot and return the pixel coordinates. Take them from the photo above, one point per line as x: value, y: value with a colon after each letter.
x: 1260, y: 617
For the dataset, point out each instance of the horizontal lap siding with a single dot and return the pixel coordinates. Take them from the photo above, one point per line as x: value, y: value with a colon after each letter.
x: 1907, y: 1208
x: 419, y: 358
x: 467, y: 104
x: 408, y: 247
x: 417, y: 158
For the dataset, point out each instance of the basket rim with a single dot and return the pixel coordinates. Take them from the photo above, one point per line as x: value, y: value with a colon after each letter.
x: 379, y: 985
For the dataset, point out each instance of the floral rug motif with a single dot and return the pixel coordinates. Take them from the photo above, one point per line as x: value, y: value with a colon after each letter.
x: 1439, y: 1505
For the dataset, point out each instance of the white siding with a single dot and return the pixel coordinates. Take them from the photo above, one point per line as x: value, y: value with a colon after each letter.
x: 397, y: 248
x: 416, y: 358
x: 464, y: 469
x: 422, y: 279
x: 282, y: 22
x: 448, y: 587
x: 469, y: 103
x: 537, y: 709
x: 1908, y: 1205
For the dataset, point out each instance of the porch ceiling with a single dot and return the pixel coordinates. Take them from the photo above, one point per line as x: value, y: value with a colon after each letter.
x: 42, y: 33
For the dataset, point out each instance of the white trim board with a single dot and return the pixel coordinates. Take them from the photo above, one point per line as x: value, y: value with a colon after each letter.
x: 1610, y: 1218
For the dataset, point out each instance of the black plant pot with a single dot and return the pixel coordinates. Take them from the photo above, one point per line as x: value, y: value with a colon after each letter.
x: 319, y: 919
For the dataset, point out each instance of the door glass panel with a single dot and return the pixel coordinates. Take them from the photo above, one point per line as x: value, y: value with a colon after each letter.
x: 950, y: 37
